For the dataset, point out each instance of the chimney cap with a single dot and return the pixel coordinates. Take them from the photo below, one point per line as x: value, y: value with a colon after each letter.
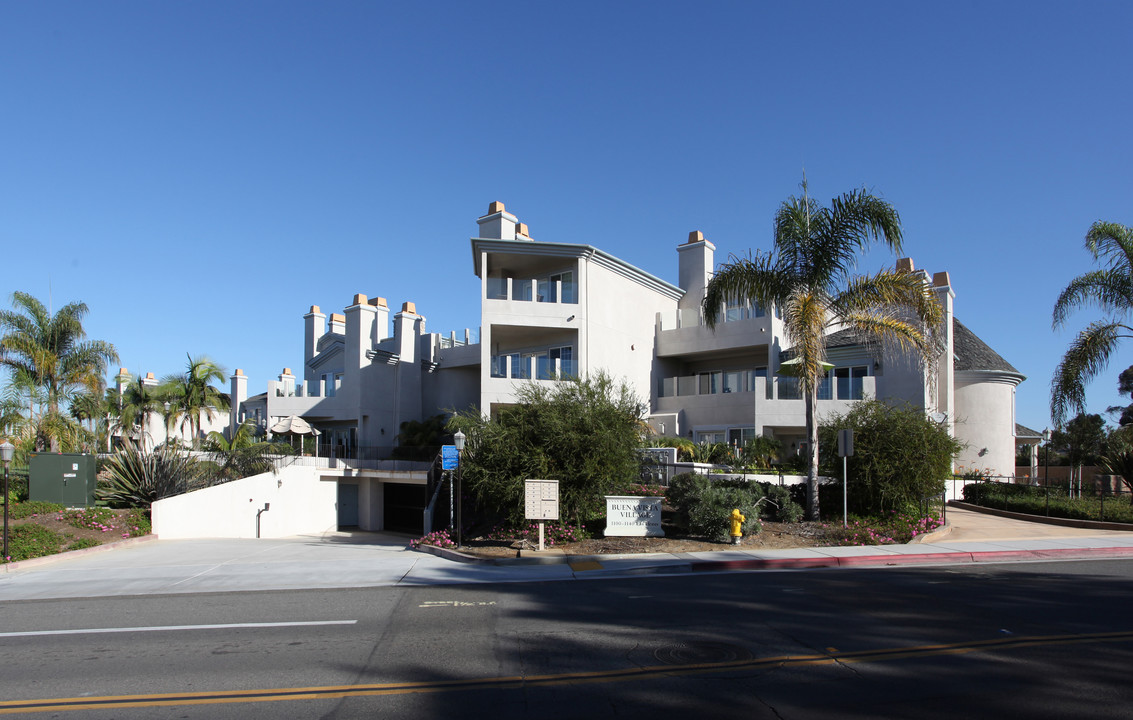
x: 149, y: 376
x: 314, y: 309
x: 238, y: 372
x: 695, y: 236
x: 286, y: 371
x: 360, y: 299
x: 941, y: 279
x: 122, y: 371
x: 905, y: 265
x: 337, y: 318
x: 379, y: 302
x: 496, y: 207
x: 409, y: 307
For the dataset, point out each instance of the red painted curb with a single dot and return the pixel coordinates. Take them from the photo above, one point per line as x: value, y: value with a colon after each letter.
x: 919, y: 559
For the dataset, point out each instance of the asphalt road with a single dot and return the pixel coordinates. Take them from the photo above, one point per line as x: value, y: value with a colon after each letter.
x: 1031, y: 640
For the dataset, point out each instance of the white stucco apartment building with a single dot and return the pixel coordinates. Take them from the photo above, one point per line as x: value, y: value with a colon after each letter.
x: 551, y: 309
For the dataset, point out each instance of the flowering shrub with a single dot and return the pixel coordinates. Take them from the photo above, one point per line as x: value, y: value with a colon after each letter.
x: 643, y: 490
x: 437, y: 538
x: 894, y: 529
x: 133, y: 523
x: 553, y: 533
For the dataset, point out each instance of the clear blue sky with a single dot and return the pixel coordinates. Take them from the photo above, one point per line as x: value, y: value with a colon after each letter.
x: 201, y: 173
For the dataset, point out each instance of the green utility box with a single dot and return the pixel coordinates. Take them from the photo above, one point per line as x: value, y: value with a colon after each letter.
x: 65, y: 478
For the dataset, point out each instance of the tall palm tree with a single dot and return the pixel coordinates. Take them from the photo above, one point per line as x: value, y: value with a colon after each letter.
x: 1111, y: 290
x: 808, y: 278
x: 191, y: 394
x: 50, y: 350
x: 138, y: 404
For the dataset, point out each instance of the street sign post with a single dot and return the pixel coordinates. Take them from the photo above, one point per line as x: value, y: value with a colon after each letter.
x: 845, y: 450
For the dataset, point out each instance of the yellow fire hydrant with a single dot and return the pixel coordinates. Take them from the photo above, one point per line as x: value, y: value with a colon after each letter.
x: 738, y: 521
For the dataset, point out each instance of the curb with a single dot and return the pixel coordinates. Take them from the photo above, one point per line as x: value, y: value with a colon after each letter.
x: 921, y: 559
x: 48, y: 559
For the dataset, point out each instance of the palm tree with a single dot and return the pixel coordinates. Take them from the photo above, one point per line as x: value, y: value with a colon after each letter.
x: 1111, y: 289
x: 243, y: 455
x: 807, y: 277
x: 49, y: 351
x: 135, y: 408
x: 191, y: 394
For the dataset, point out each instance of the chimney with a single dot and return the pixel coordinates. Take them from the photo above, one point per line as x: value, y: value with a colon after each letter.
x: 149, y: 380
x: 521, y: 232
x: 338, y: 323
x: 381, y: 323
x: 498, y: 224
x: 239, y: 393
x: 361, y: 317
x: 314, y: 327
x: 695, y: 263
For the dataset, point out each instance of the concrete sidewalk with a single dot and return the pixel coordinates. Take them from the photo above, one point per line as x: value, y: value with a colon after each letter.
x: 342, y: 560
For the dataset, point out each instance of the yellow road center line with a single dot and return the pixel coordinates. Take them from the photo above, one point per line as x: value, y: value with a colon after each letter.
x: 436, y: 686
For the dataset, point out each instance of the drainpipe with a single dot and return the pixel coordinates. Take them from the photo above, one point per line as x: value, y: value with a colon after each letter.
x: 267, y: 506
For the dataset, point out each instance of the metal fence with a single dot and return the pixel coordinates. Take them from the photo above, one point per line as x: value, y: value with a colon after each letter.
x: 1103, y: 498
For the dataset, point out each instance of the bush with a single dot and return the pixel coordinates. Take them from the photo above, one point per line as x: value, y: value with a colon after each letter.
x: 704, y: 505
x: 583, y: 433
x: 900, y: 457
x: 29, y: 508
x: 32, y: 541
x: 553, y: 533
x: 138, y: 478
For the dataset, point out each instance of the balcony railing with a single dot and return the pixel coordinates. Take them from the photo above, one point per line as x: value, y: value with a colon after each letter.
x: 776, y: 388
x: 532, y: 290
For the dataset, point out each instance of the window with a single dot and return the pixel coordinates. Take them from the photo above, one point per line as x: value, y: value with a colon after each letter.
x: 734, y: 310
x: 733, y: 382
x: 568, y: 290
x: 497, y: 288
x: 849, y: 381
x: 565, y: 356
x: 709, y: 383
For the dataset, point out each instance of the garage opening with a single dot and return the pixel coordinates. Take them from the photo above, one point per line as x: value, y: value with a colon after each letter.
x: 404, y: 507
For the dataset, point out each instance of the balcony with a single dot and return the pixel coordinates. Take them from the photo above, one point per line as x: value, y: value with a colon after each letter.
x: 683, y: 332
x: 554, y: 289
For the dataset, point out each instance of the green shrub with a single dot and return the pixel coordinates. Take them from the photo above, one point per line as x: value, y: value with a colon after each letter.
x: 584, y: 433
x: 704, y: 505
x: 32, y: 541
x: 900, y: 457
x: 138, y: 478
x: 83, y: 543
x: 29, y: 508
x: 710, y: 516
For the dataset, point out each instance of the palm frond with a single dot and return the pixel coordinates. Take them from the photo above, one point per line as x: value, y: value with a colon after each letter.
x: 1087, y: 356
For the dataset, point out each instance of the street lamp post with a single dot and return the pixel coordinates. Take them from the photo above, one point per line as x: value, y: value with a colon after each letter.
x: 7, y: 449
x: 1046, y: 477
x: 458, y: 440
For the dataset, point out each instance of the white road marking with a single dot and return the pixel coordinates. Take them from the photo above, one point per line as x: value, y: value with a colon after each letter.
x: 454, y: 603
x: 167, y: 628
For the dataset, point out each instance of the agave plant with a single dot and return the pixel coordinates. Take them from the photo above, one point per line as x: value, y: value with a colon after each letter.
x: 138, y: 478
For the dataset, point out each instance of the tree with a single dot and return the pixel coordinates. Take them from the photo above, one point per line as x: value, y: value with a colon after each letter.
x: 1081, y: 442
x: 582, y: 432
x: 48, y: 352
x: 136, y: 406
x: 242, y: 456
x: 808, y: 278
x: 900, y: 456
x: 191, y: 394
x: 1124, y: 413
x: 1111, y: 290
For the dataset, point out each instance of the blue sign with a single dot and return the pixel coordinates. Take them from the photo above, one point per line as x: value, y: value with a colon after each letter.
x: 449, y: 457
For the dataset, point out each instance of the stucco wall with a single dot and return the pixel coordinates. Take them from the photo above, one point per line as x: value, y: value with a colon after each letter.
x: 985, y: 420
x: 301, y: 503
